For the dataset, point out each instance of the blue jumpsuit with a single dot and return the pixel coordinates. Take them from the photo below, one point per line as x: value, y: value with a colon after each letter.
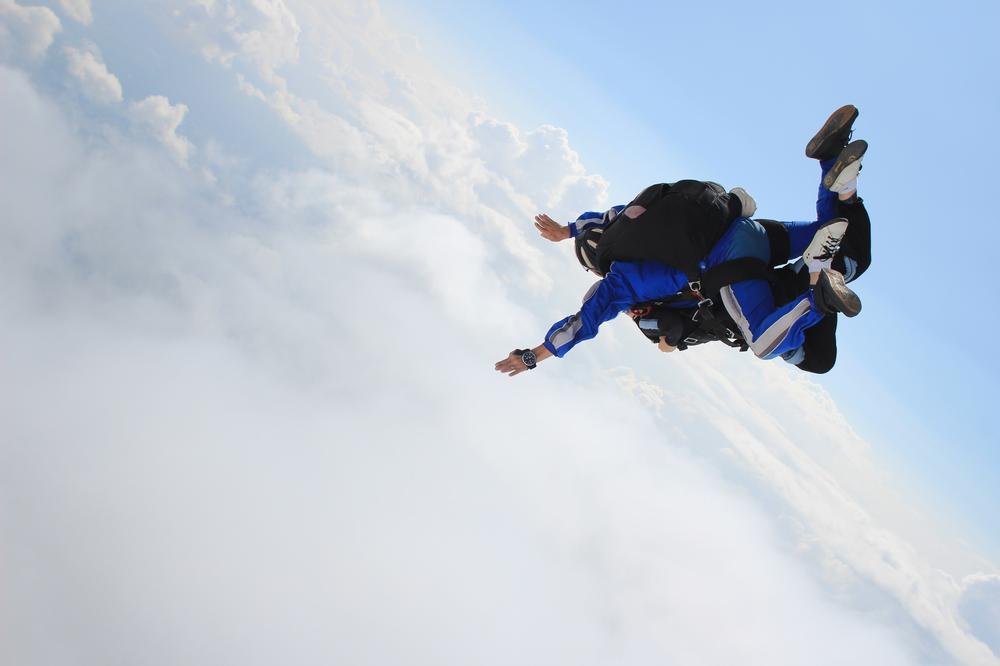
x: 769, y: 330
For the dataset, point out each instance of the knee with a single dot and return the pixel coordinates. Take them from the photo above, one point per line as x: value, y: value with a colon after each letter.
x: 747, y: 238
x: 818, y: 363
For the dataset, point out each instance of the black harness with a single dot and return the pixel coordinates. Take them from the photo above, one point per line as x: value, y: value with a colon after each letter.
x: 708, y: 320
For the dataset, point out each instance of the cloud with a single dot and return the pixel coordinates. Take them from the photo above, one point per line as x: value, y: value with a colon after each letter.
x: 374, y: 118
x: 237, y: 480
x: 158, y: 116
x: 78, y: 10
x: 93, y: 76
x: 979, y: 606
x: 780, y: 449
x: 26, y: 32
x: 262, y: 32
x: 541, y: 164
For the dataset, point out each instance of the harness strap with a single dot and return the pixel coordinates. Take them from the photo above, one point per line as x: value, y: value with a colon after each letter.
x: 708, y: 321
x: 778, y: 239
x: 734, y: 270
x: 711, y: 282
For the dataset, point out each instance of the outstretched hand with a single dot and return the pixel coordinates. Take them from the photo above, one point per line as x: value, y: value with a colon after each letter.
x: 512, y: 365
x: 550, y: 229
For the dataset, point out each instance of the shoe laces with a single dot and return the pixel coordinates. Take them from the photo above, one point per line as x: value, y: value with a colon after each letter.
x: 830, y: 247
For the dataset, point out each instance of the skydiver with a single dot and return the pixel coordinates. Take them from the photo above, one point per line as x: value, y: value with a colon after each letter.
x: 769, y: 328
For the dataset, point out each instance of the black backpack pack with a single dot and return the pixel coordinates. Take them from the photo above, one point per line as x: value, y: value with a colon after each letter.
x: 680, y: 224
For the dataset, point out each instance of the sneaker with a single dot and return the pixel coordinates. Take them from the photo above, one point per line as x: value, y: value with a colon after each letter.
x: 834, y: 135
x: 826, y: 242
x: 831, y: 294
x: 847, y: 167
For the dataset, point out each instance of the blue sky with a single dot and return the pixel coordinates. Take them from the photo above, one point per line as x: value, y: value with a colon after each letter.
x: 259, y: 256
x: 659, y: 91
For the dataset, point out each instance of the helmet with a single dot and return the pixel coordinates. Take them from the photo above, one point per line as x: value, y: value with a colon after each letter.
x: 588, y: 238
x: 586, y: 247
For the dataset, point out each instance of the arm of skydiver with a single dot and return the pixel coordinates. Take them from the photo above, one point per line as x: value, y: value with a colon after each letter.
x: 607, y: 298
x: 604, y: 301
x: 591, y: 219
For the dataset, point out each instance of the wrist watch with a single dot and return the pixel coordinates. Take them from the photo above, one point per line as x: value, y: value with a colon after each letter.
x: 527, y: 357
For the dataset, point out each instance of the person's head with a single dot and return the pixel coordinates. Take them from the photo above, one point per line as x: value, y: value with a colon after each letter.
x: 586, y: 248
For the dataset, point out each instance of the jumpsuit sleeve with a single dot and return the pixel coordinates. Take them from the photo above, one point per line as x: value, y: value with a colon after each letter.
x: 593, y: 219
x: 603, y: 302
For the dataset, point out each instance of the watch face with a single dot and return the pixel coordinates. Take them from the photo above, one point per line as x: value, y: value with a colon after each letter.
x: 528, y: 358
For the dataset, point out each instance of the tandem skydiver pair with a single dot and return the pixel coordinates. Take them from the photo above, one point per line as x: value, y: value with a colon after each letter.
x: 690, y: 265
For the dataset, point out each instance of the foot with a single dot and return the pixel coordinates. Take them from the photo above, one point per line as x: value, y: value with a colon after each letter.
x: 842, y: 176
x: 834, y: 135
x: 831, y: 294
x: 824, y: 245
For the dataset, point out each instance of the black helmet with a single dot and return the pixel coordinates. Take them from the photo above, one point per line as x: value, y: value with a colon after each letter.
x: 586, y: 247
x: 589, y: 236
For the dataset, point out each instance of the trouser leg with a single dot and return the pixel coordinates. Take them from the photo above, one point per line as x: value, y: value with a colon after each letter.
x: 855, y: 255
x: 770, y: 330
x: 790, y: 239
x: 820, y: 347
x: 826, y: 200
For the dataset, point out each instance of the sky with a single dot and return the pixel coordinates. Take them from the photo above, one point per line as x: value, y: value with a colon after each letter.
x: 257, y: 258
x: 735, y: 100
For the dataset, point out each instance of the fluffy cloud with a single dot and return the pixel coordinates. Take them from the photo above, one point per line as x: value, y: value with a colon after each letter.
x: 26, y: 32
x: 265, y: 490
x: 541, y: 163
x: 262, y: 32
x: 93, y: 76
x: 160, y: 118
x: 78, y: 10
x: 372, y: 116
x: 782, y: 450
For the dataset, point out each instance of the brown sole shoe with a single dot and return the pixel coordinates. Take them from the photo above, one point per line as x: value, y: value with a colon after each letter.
x: 831, y: 294
x: 847, y: 162
x: 834, y: 134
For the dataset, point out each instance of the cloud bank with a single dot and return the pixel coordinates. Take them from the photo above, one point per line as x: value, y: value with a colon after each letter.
x: 231, y: 479
x: 26, y: 33
x: 86, y: 66
x: 161, y: 119
x: 78, y: 10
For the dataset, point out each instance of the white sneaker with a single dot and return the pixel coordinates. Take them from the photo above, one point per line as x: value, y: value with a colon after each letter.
x: 843, y: 175
x: 824, y: 245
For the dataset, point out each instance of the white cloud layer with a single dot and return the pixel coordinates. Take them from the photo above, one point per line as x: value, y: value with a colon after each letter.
x: 262, y: 32
x: 89, y: 70
x: 980, y: 608
x: 156, y: 115
x: 78, y: 10
x: 232, y: 479
x: 26, y: 33
x: 279, y: 438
